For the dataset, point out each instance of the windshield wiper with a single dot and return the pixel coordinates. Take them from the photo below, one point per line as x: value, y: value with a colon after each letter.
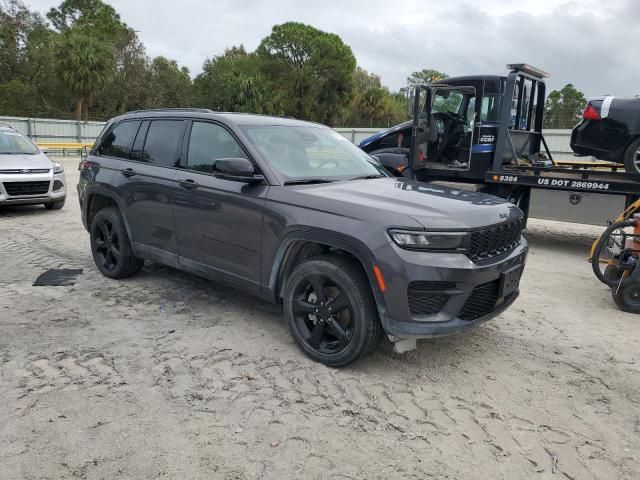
x: 366, y: 177
x: 308, y: 181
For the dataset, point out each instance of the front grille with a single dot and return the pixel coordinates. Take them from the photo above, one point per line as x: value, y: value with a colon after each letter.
x: 428, y: 298
x: 14, y: 189
x: 481, y: 302
x: 495, y: 240
x: 18, y: 171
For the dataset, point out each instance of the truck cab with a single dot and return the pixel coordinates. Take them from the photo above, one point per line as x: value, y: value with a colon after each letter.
x: 484, y: 133
x: 461, y: 124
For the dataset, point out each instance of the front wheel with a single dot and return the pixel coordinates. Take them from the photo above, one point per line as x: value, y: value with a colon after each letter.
x: 632, y: 158
x: 54, y: 205
x: 330, y: 310
x: 111, y: 247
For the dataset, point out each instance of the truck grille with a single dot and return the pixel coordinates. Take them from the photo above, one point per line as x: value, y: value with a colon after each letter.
x: 15, y: 189
x: 495, y: 240
x: 428, y: 298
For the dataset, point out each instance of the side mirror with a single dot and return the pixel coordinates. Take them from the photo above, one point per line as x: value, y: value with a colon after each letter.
x: 394, y: 163
x: 236, y: 169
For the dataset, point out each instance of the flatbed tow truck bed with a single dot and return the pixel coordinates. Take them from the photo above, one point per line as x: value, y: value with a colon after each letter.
x: 595, y: 179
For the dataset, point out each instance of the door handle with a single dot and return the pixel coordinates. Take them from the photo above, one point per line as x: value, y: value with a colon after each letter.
x: 188, y: 184
x: 128, y: 172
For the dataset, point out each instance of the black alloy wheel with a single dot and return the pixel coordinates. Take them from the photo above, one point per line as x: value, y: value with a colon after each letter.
x: 110, y: 245
x: 107, y: 245
x: 323, y: 314
x: 330, y: 310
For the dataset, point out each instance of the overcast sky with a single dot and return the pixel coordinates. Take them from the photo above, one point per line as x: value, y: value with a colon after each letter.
x: 592, y: 44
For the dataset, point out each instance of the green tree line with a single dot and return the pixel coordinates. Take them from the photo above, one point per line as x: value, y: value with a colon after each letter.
x: 82, y: 61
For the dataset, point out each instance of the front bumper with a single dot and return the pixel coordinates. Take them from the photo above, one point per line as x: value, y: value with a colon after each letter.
x: 56, y: 191
x: 471, y: 293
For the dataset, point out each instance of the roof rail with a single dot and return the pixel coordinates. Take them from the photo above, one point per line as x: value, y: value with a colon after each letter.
x: 176, y: 109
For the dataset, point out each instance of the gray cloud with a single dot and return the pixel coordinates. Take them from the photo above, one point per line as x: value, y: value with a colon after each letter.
x: 589, y: 43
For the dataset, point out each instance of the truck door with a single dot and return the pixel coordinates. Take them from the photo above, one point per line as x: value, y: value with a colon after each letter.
x: 444, y: 129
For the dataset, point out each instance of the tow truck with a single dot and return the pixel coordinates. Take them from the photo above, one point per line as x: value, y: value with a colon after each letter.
x: 484, y: 133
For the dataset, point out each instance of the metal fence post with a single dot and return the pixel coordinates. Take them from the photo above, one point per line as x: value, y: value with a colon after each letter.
x: 353, y: 136
x: 79, y: 131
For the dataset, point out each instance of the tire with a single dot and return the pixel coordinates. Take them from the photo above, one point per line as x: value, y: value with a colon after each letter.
x: 111, y: 247
x: 627, y: 298
x: 332, y: 336
x: 54, y: 205
x: 631, y: 158
x: 612, y: 273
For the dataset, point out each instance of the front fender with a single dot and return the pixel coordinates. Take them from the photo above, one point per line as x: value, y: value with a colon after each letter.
x: 332, y: 239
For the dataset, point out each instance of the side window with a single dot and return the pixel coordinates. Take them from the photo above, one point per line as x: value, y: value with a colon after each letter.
x: 118, y: 141
x: 490, y: 110
x: 209, y: 142
x: 161, y: 145
x: 137, y: 151
x: 447, y: 101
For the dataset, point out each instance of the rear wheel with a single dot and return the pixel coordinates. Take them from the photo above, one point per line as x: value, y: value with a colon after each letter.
x: 632, y: 158
x: 627, y: 298
x: 330, y: 310
x: 111, y: 247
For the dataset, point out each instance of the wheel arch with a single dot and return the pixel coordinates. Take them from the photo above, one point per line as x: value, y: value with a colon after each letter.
x: 298, y: 246
x: 97, y: 198
x: 633, y: 137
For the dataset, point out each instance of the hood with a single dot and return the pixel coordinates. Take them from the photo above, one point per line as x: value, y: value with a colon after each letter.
x: 21, y: 161
x: 391, y: 200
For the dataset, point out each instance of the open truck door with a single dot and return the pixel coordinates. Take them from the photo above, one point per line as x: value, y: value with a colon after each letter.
x: 443, y: 127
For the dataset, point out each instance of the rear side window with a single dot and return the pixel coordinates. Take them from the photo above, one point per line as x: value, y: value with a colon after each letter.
x: 161, y: 145
x: 118, y: 141
x: 209, y: 142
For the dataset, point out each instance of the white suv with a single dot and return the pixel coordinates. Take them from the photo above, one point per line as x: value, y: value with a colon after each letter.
x: 27, y: 176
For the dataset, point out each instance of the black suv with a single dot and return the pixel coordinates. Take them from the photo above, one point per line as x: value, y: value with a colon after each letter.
x: 293, y: 212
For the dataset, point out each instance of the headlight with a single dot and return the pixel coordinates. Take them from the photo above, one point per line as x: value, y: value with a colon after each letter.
x: 414, y: 240
x: 57, y: 168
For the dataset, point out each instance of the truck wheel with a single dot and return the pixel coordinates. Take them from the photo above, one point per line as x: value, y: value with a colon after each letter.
x: 111, y: 247
x: 627, y: 298
x: 632, y: 158
x: 330, y: 310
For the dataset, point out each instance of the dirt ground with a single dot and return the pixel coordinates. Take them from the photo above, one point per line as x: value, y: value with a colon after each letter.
x: 171, y: 376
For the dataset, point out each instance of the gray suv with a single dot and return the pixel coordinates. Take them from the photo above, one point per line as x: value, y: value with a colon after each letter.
x: 294, y: 213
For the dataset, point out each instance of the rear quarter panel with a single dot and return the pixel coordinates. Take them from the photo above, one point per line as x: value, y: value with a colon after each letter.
x: 608, y: 138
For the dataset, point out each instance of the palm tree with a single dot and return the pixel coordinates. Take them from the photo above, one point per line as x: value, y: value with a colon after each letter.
x: 86, y: 65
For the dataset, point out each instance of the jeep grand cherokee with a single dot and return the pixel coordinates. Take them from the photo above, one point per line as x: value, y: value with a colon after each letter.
x: 294, y: 213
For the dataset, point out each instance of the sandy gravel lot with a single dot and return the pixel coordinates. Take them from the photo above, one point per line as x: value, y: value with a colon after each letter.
x: 167, y: 375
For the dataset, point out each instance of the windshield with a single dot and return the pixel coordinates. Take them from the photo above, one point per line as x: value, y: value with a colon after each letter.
x: 12, y: 142
x: 308, y: 152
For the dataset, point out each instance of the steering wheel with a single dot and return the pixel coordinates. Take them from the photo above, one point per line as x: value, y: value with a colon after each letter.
x: 325, y: 162
x: 456, y: 116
